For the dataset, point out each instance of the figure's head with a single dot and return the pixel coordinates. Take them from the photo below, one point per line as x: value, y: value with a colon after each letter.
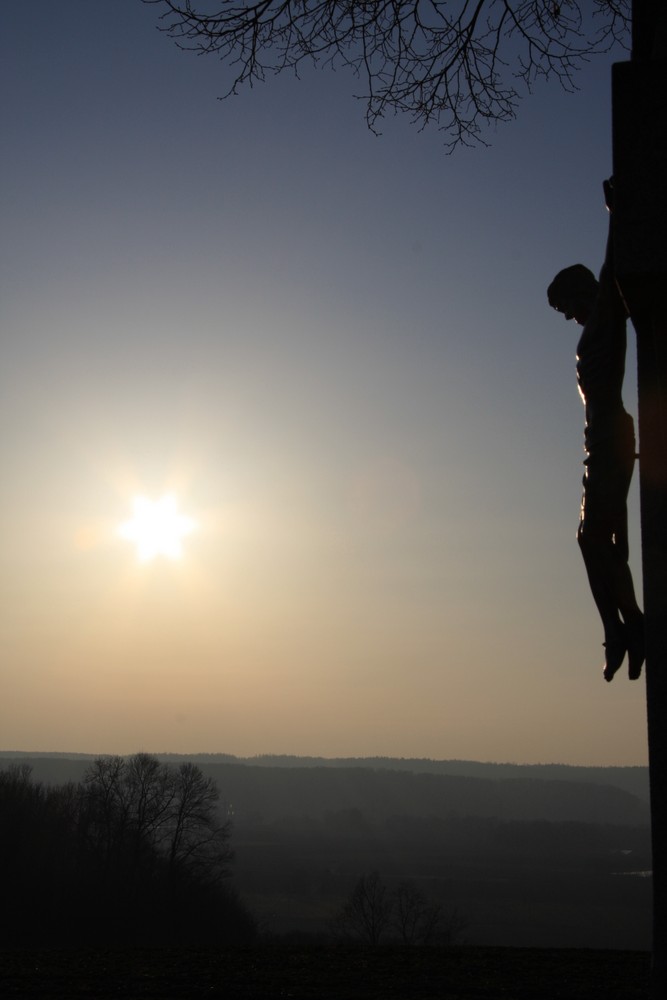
x: 573, y: 292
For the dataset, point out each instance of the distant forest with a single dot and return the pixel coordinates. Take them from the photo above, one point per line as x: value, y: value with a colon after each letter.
x: 633, y: 779
x: 535, y: 856
x: 277, y: 787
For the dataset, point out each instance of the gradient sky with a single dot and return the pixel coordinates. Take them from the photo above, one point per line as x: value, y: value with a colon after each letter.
x: 335, y: 350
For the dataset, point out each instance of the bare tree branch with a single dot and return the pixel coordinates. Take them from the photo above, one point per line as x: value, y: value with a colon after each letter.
x: 455, y: 64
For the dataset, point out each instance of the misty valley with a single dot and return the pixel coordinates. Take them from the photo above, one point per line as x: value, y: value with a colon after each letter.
x: 475, y: 855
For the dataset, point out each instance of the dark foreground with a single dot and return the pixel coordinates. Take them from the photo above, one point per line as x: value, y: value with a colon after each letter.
x: 321, y: 974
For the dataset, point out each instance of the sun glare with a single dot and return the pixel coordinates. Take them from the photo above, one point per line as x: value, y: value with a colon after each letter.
x: 157, y: 528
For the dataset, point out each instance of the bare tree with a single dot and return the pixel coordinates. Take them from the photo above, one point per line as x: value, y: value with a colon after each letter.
x: 138, y: 811
x: 196, y: 839
x: 415, y: 917
x: 458, y: 64
x: 372, y: 911
x: 367, y: 913
x: 104, y: 812
x: 419, y: 920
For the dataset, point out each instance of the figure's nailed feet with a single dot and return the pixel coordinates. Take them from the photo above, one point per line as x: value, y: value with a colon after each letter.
x: 636, y: 648
x: 616, y: 649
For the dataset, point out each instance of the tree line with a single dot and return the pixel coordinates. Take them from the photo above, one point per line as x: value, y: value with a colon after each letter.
x: 134, y: 853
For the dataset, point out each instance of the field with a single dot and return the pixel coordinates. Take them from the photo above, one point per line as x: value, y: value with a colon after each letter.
x: 326, y: 974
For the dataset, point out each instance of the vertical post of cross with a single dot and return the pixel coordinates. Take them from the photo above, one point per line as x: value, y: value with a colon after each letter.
x: 640, y: 244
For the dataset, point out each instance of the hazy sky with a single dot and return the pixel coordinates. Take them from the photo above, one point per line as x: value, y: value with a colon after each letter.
x: 335, y: 351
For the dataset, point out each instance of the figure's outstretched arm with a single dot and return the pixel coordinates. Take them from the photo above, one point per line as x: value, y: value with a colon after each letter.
x: 610, y: 296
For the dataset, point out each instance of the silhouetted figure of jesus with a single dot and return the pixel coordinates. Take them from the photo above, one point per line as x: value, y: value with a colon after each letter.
x: 609, y: 442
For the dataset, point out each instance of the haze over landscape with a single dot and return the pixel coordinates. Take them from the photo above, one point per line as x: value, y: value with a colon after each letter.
x: 335, y: 351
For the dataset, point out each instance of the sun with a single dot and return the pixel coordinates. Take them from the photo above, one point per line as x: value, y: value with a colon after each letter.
x: 157, y: 528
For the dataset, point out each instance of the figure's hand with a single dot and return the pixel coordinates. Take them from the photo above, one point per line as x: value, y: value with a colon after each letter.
x: 608, y: 188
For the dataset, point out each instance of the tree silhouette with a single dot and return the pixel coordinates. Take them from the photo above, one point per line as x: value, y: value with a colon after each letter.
x: 136, y: 853
x: 372, y: 911
x: 459, y: 65
x: 139, y: 813
x: 367, y: 913
x: 416, y: 918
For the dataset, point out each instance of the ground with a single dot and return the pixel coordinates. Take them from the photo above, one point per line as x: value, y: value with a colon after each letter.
x: 294, y: 973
